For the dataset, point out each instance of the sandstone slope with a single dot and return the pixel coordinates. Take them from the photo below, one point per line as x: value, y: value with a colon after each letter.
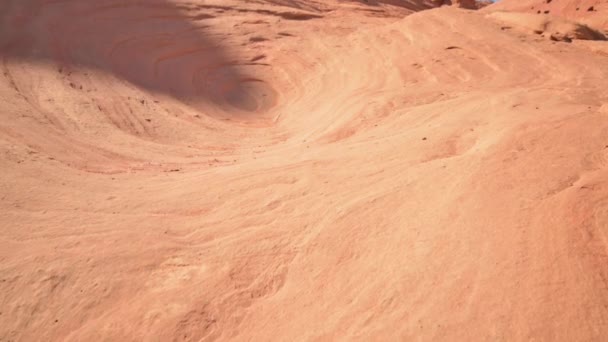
x: 298, y: 170
x: 592, y: 12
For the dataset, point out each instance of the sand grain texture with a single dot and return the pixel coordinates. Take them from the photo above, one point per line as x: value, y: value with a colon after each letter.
x: 298, y: 170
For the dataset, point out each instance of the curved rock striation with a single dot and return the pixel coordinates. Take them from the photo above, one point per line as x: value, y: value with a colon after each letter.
x: 298, y: 170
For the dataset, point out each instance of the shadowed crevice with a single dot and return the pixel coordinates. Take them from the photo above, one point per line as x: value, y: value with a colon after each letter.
x: 156, y: 45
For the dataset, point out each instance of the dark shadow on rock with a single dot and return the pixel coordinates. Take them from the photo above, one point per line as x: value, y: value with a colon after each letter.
x: 154, y: 44
x: 413, y: 5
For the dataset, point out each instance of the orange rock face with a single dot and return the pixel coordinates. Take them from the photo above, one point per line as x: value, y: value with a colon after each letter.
x: 591, y: 12
x: 294, y: 170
